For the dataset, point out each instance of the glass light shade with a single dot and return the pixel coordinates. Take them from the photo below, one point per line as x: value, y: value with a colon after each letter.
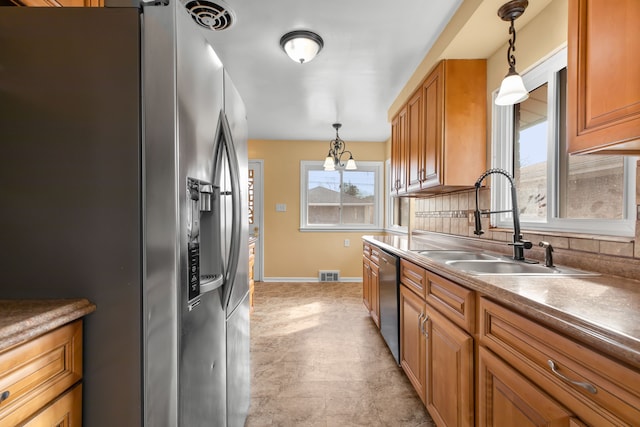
x: 351, y: 165
x: 512, y: 90
x: 301, y: 49
x: 329, y: 164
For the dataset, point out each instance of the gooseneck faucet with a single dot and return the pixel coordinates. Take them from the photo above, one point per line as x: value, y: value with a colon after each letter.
x: 519, y: 245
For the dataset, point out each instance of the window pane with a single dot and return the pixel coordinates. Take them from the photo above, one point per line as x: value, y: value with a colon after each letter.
x: 530, y: 155
x: 400, y: 211
x: 323, y: 197
x: 595, y: 188
x: 358, y: 197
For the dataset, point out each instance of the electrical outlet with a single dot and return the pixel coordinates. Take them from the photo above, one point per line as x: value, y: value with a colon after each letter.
x: 346, y: 243
x: 281, y: 207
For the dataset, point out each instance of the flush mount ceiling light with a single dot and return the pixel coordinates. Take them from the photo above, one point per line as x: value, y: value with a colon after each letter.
x: 512, y: 90
x: 336, y: 151
x: 301, y: 46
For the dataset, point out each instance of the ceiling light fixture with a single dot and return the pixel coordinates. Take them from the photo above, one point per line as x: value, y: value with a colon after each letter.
x: 336, y: 151
x: 301, y: 45
x: 512, y: 90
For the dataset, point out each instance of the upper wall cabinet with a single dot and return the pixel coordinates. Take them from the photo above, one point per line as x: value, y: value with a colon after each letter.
x: 438, y: 138
x: 61, y: 3
x: 604, y: 76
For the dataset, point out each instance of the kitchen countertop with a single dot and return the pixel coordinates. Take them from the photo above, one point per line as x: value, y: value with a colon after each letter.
x: 24, y: 319
x: 601, y: 311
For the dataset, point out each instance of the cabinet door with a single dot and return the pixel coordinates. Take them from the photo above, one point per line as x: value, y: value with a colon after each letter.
x: 65, y: 411
x: 449, y: 372
x: 366, y: 283
x: 432, y: 128
x: 603, y: 69
x: 375, y: 294
x: 398, y: 151
x: 412, y: 339
x: 415, y: 142
x: 506, y: 398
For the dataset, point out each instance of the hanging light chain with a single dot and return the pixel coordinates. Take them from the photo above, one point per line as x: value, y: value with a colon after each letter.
x: 511, y: 58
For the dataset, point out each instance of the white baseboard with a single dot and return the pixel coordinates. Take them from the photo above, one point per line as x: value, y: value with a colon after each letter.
x: 308, y: 279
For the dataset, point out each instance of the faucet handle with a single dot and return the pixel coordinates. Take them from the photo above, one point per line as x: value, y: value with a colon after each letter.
x: 548, y: 253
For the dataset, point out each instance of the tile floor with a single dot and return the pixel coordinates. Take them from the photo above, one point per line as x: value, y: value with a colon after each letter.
x: 317, y: 359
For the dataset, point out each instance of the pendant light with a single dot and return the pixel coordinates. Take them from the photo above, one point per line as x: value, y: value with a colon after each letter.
x: 336, y: 151
x: 301, y: 46
x: 512, y: 90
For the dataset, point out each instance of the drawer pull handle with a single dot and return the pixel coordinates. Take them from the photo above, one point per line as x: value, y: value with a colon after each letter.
x: 4, y: 396
x: 422, y: 326
x: 590, y: 388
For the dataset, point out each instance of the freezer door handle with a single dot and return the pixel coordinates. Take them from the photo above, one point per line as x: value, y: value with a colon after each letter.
x: 234, y: 172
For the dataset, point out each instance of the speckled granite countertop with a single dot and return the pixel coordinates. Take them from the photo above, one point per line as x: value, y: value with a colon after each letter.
x: 24, y: 319
x: 600, y: 311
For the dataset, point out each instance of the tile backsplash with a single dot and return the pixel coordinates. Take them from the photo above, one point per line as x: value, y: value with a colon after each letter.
x: 453, y: 214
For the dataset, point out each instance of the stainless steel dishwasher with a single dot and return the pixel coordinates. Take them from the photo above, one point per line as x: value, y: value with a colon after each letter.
x: 390, y: 302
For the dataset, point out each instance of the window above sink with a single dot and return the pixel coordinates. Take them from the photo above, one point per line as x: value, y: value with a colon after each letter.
x: 588, y: 194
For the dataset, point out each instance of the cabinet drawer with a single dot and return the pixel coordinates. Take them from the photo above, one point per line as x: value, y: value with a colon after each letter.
x: 413, y: 277
x: 599, y: 390
x: 34, y: 373
x: 454, y: 301
x: 375, y: 255
x: 366, y: 250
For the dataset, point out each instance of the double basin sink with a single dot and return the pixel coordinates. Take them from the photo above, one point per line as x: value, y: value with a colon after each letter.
x: 481, y: 264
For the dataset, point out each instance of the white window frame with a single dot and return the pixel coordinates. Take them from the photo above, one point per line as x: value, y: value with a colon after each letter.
x: 389, y: 220
x: 377, y: 167
x: 502, y: 157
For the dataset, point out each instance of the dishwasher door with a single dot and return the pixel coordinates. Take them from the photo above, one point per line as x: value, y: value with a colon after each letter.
x: 390, y: 302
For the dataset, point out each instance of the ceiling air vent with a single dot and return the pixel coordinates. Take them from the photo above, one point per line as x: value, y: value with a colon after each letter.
x: 212, y: 15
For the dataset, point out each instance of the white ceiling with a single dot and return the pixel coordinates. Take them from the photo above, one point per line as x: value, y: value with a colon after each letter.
x: 371, y: 49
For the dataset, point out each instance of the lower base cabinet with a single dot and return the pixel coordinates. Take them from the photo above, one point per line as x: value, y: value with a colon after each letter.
x: 473, y: 361
x: 66, y: 411
x: 413, y: 340
x: 449, y: 397
x: 506, y: 398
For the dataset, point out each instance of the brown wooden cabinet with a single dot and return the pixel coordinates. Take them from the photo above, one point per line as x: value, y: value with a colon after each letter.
x: 37, y: 377
x: 371, y: 281
x: 506, y: 398
x: 398, y: 152
x: 412, y: 339
x: 61, y: 3
x: 449, y: 372
x: 603, y: 84
x: 595, y: 389
x: 435, y: 353
x: 252, y: 262
x: 442, y: 129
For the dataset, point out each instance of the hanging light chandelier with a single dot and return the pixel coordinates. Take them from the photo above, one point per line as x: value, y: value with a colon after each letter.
x: 512, y: 90
x: 301, y: 45
x: 337, y: 149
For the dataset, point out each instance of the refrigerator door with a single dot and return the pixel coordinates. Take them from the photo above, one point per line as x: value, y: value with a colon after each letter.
x: 236, y: 136
x: 202, y: 346
x: 238, y: 343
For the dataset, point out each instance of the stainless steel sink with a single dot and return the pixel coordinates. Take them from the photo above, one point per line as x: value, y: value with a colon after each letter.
x: 513, y: 268
x: 453, y: 255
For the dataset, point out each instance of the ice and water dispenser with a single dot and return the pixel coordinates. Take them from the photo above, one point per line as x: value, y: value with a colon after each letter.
x: 203, y: 239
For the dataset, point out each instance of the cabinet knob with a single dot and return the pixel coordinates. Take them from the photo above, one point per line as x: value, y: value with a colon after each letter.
x: 4, y: 396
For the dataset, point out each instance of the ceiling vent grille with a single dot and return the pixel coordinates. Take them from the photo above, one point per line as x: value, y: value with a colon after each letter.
x: 212, y: 15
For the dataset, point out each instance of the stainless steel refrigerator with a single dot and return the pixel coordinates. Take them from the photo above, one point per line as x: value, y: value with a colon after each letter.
x: 123, y: 179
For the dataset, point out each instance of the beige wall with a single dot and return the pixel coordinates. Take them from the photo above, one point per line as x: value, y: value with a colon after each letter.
x: 288, y: 252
